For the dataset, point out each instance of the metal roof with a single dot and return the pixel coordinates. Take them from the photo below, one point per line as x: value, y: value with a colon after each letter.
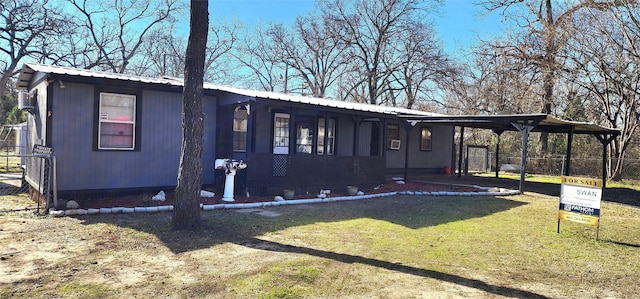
x: 501, y: 123
x: 29, y: 69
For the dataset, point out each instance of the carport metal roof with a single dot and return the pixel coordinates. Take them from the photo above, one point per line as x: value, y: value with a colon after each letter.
x: 501, y: 123
x: 524, y: 123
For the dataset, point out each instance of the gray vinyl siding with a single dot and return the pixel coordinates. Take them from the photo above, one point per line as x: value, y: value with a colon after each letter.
x: 36, y: 131
x: 344, y: 135
x: 439, y: 156
x: 82, y: 167
x: 364, y: 148
x: 264, y: 130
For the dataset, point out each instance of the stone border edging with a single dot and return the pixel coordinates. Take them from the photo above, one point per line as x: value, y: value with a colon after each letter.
x: 229, y: 206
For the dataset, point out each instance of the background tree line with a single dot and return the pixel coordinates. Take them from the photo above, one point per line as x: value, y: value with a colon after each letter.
x: 577, y: 60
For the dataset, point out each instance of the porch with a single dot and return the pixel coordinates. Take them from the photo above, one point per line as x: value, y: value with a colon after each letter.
x: 269, y: 174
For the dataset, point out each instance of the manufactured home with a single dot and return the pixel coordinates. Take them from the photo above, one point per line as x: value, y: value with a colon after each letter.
x: 117, y: 132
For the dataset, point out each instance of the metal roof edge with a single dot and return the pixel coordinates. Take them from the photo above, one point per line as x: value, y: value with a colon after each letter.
x: 28, y: 69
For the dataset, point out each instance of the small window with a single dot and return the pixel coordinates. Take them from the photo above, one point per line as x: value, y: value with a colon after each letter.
x: 425, y: 139
x: 116, y: 130
x: 240, y: 117
x: 393, y: 136
x: 330, y: 131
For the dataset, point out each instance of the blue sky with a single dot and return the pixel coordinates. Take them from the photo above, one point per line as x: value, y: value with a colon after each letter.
x: 459, y: 22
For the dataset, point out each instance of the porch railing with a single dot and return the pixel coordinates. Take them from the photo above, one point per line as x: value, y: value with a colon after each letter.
x: 269, y: 174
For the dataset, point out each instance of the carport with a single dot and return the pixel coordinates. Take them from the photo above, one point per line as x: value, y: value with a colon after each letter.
x: 525, y: 124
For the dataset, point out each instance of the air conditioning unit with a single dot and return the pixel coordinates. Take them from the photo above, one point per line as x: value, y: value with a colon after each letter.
x: 26, y: 100
x: 394, y: 144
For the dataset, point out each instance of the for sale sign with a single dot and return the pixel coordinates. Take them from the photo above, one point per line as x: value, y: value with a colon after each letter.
x: 580, y: 200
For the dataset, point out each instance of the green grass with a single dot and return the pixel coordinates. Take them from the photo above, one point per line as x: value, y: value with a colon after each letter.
x: 9, y: 163
x: 76, y: 290
x: 393, y: 247
x: 631, y: 184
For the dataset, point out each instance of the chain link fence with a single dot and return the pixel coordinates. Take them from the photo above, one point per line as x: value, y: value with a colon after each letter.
x: 12, y: 161
x: 555, y: 165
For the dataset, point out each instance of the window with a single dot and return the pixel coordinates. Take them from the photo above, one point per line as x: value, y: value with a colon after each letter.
x: 304, y: 138
x: 281, y: 133
x: 240, y: 117
x: 425, y: 139
x: 116, y: 129
x: 330, y: 132
x: 393, y: 136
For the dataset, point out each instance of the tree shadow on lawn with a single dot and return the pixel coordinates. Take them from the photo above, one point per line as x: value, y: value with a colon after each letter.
x: 348, y: 258
x: 223, y: 226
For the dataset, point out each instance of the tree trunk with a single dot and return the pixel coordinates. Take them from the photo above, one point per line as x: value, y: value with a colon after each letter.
x: 186, y: 212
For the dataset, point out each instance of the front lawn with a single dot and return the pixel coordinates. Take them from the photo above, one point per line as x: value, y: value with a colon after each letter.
x: 392, y: 247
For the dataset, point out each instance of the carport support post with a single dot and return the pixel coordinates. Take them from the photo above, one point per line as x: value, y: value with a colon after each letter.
x: 605, y: 140
x: 525, y: 130
x: 567, y: 165
x: 460, y: 152
x: 408, y: 127
x: 498, y: 132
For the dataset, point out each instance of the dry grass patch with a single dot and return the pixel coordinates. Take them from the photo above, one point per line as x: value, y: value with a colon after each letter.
x: 401, y: 246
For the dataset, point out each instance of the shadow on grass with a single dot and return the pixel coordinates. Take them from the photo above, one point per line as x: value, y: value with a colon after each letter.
x: 622, y: 243
x: 348, y: 258
x: 222, y: 226
x: 244, y: 228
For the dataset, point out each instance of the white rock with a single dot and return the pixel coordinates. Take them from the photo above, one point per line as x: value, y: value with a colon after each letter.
x: 161, y: 196
x: 360, y: 193
x: 322, y: 195
x: 72, y: 204
x: 400, y: 182
x: 205, y: 193
x: 278, y: 198
x: 56, y: 213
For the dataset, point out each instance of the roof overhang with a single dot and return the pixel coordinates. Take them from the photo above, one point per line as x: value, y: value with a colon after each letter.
x: 501, y: 123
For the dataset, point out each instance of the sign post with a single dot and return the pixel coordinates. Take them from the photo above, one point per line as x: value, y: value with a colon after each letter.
x: 46, y: 153
x: 580, y: 201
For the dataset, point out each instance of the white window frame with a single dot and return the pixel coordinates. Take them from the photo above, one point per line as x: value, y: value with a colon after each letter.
x: 281, y: 146
x: 104, y: 118
x: 329, y: 148
x: 240, y: 127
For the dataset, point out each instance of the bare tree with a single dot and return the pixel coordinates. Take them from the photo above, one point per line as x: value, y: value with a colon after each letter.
x: 222, y: 39
x: 493, y: 83
x: 311, y: 50
x: 545, y: 33
x: 370, y: 28
x: 114, y: 30
x: 258, y: 54
x: 422, y: 63
x: 606, y: 63
x: 162, y: 53
x: 25, y: 29
x: 186, y: 213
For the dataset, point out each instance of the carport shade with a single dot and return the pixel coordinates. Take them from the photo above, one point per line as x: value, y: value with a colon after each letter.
x: 524, y: 123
